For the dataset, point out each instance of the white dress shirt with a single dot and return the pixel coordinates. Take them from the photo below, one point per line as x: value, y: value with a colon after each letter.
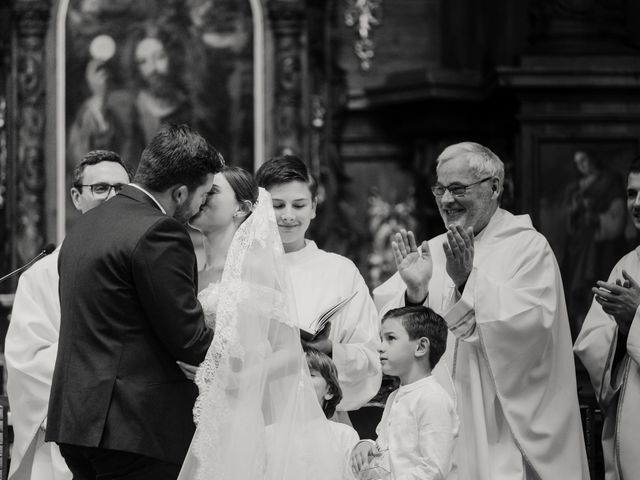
x: 418, y: 428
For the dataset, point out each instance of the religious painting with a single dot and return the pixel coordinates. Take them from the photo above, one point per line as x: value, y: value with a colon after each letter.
x: 582, y: 212
x: 135, y: 65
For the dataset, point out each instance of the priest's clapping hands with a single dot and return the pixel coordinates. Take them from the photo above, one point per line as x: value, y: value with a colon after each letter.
x: 459, y: 252
x: 620, y: 300
x: 414, y: 266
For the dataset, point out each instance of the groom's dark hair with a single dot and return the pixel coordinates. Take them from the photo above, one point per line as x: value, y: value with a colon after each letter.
x: 177, y: 155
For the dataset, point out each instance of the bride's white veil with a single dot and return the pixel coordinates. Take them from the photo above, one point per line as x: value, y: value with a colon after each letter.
x: 257, y: 416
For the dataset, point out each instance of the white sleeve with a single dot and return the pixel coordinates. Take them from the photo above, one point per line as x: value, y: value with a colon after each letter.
x: 31, y: 347
x: 461, y: 318
x: 633, y: 341
x: 355, y: 335
x: 391, y: 294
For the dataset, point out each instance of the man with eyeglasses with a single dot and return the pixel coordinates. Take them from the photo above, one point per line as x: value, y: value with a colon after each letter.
x: 508, y: 362
x: 98, y: 177
x: 609, y: 347
x: 32, y: 338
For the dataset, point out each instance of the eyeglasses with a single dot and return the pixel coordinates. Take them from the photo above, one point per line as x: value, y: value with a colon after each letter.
x: 102, y: 190
x: 457, y: 190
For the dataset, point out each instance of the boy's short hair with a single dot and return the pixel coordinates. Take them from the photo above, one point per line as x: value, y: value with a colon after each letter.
x: 419, y: 322
x: 322, y: 363
x: 285, y: 169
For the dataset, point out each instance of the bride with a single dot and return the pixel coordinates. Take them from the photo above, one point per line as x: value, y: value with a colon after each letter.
x: 257, y: 416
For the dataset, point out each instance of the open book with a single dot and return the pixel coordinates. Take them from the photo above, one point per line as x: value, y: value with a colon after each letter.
x: 320, y: 323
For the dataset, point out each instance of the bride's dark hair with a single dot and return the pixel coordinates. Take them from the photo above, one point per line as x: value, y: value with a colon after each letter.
x: 243, y: 184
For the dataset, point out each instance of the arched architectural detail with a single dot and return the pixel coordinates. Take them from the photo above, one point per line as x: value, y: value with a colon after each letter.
x: 261, y: 99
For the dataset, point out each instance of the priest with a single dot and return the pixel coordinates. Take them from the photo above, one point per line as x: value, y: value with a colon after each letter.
x: 609, y: 347
x: 509, y: 363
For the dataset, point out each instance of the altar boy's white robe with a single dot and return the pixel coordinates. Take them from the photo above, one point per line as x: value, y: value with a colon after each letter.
x: 31, y: 345
x: 617, y: 386
x: 320, y: 279
x: 509, y: 356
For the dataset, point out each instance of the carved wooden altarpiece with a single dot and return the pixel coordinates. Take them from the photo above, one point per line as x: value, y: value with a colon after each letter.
x: 292, y: 77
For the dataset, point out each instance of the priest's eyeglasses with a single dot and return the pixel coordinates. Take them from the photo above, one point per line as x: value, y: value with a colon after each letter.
x: 102, y: 190
x: 456, y: 189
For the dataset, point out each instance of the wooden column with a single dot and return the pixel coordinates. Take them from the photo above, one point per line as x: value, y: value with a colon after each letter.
x: 5, y: 67
x: 287, y: 20
x: 27, y: 173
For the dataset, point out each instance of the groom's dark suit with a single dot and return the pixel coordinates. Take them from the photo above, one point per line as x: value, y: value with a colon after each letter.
x: 128, y: 312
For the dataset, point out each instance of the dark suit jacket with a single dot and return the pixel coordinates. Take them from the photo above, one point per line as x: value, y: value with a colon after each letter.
x: 128, y: 312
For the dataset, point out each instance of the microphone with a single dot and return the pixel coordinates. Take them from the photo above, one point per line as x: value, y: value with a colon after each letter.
x: 45, y: 251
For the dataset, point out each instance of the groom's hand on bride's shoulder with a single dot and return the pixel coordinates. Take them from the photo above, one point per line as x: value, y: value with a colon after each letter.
x: 188, y: 370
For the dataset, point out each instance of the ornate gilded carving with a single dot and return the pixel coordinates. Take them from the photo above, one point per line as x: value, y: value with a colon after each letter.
x: 3, y: 151
x: 32, y: 17
x: 31, y: 24
x: 363, y: 16
x: 287, y: 21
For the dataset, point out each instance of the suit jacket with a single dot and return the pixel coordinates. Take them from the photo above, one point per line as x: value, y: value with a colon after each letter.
x: 128, y: 312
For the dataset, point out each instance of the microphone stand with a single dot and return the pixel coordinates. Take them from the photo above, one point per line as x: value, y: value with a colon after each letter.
x: 45, y: 251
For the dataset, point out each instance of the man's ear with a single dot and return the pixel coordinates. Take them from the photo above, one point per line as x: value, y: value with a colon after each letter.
x: 495, y: 187
x: 422, y: 347
x: 75, y: 197
x: 180, y: 194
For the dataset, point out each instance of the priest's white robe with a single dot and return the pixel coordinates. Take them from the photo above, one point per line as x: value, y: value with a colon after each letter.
x: 31, y: 345
x: 320, y: 279
x: 509, y: 355
x: 617, y: 387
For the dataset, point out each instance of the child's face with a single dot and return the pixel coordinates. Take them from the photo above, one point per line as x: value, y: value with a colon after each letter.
x: 294, y: 208
x: 320, y: 386
x: 396, y: 350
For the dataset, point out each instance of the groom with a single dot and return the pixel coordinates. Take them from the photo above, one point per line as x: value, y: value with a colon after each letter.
x: 120, y: 406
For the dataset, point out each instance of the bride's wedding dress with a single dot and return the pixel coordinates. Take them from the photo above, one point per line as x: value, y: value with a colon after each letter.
x: 257, y: 416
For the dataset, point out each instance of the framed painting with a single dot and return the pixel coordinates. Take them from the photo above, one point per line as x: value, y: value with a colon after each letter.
x: 581, y: 209
x: 127, y: 67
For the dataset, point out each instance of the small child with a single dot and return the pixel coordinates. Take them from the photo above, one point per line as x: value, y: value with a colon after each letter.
x: 419, y: 423
x: 324, y: 376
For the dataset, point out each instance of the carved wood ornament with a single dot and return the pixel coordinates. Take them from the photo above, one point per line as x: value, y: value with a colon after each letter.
x: 32, y: 17
x: 287, y: 22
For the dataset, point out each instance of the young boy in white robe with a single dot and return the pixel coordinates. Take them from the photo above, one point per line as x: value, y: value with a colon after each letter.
x: 320, y: 280
x: 324, y: 376
x: 419, y: 424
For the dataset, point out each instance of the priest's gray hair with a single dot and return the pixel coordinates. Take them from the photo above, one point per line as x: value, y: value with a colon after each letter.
x: 482, y: 161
